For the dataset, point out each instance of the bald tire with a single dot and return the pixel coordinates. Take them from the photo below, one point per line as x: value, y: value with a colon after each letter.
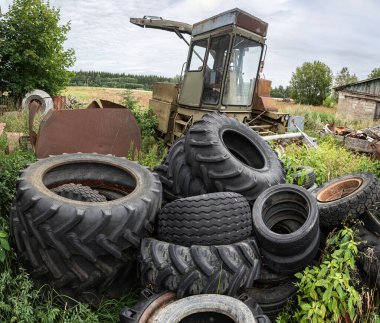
x: 85, y: 250
x: 230, y: 157
x: 224, y: 269
x: 208, y: 219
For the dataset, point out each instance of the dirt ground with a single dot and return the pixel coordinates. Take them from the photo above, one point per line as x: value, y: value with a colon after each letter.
x: 86, y: 94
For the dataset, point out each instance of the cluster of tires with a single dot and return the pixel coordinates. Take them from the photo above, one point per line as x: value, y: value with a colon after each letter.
x: 222, y: 247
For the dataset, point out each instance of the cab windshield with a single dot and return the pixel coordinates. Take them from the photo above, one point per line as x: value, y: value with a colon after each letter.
x: 242, y: 72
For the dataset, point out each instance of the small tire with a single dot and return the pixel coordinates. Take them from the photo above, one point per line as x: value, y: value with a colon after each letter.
x: 231, y: 157
x: 194, y: 270
x: 176, y: 176
x: 345, y: 197
x: 209, y: 219
x: 86, y: 250
x: 205, y: 308
x: 274, y: 297
x: 277, y: 212
x: 304, y: 176
x: 79, y: 192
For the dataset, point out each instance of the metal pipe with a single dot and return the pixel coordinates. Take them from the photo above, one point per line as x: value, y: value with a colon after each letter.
x: 284, y: 136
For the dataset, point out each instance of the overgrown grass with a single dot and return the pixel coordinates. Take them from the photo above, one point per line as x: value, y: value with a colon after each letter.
x: 329, y: 160
x: 316, y: 120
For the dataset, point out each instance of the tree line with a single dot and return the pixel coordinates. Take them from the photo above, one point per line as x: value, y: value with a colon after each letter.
x: 117, y: 80
x: 313, y: 83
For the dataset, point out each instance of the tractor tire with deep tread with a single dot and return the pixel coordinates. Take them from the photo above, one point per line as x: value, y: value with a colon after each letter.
x: 223, y: 269
x: 176, y: 176
x: 231, y: 157
x: 209, y: 219
x: 86, y: 250
x: 79, y: 192
x: 348, y: 196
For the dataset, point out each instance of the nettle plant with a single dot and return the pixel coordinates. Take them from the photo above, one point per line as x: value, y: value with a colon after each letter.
x: 326, y: 292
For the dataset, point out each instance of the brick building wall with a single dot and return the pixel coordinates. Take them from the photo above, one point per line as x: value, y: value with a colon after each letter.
x: 357, y: 107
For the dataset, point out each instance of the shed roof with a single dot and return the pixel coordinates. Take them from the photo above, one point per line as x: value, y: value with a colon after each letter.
x: 369, y: 87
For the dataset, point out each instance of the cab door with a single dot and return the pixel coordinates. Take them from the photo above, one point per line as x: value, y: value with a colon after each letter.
x: 192, y: 86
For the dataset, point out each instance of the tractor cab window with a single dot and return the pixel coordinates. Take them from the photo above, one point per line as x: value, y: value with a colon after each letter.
x: 198, y: 53
x: 242, y: 72
x: 216, y: 60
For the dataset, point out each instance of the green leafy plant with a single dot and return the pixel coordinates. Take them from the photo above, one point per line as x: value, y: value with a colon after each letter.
x: 326, y: 292
x: 4, y: 245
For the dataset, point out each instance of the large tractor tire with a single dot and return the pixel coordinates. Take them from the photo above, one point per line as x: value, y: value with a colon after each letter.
x: 176, y: 176
x: 349, y: 196
x: 208, y: 219
x: 86, y: 250
x: 223, y: 269
x: 231, y: 157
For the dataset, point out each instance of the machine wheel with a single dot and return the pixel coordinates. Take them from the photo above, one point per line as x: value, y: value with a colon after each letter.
x: 194, y: 270
x: 346, y: 196
x: 209, y: 219
x: 176, y: 176
x: 231, y: 157
x: 285, y: 220
x: 205, y: 308
x: 83, y: 248
x: 79, y: 192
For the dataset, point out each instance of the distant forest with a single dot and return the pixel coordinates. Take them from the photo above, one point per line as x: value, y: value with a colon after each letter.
x: 117, y: 80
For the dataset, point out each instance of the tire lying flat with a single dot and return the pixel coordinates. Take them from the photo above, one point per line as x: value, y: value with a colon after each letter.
x: 346, y: 196
x: 84, y: 249
x: 304, y: 177
x: 230, y: 157
x: 79, y: 192
x: 194, y: 270
x: 286, y: 224
x: 209, y: 219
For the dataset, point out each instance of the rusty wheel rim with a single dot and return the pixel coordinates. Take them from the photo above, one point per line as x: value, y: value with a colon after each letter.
x: 339, y: 190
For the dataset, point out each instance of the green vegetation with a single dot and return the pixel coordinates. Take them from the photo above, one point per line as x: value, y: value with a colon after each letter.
x: 327, y: 292
x: 32, y: 49
x: 374, y: 73
x: 311, y: 83
x: 329, y: 160
x: 280, y: 92
x: 117, y: 80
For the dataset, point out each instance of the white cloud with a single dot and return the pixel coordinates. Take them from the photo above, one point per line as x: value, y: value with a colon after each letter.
x: 335, y: 32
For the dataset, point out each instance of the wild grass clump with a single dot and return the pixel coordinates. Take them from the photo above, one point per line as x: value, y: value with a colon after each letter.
x: 329, y: 160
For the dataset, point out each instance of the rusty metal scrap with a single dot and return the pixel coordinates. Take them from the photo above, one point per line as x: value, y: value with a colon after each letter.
x: 108, y: 130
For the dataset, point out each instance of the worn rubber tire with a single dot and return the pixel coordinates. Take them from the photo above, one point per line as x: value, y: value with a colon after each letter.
x: 205, y: 308
x: 334, y: 213
x: 85, y: 250
x: 79, y: 192
x: 176, y: 176
x: 193, y: 270
x: 209, y: 219
x: 274, y: 297
x: 231, y: 157
x: 285, y: 221
x: 371, y: 219
x: 305, y: 174
x: 369, y: 258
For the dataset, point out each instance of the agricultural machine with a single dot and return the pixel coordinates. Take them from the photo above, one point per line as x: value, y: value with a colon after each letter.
x: 226, y: 55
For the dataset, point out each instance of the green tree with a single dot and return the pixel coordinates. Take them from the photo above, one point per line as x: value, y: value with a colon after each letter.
x: 343, y: 77
x: 374, y: 73
x: 31, y: 49
x: 311, y: 83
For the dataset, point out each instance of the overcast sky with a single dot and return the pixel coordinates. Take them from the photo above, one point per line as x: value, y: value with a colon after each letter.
x: 338, y: 33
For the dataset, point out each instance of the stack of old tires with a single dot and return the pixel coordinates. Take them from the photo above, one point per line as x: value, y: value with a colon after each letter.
x: 223, y: 247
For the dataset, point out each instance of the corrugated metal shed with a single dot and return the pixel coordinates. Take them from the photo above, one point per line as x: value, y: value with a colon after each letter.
x: 367, y: 87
